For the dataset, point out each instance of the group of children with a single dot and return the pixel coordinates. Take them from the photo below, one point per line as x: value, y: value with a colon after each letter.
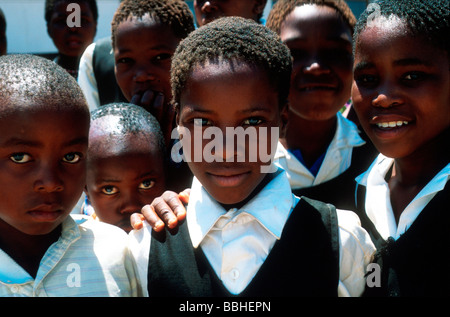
x: 246, y: 232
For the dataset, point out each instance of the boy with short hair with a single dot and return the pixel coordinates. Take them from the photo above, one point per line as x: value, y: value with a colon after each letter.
x: 44, y: 128
x: 246, y: 234
x: 126, y: 162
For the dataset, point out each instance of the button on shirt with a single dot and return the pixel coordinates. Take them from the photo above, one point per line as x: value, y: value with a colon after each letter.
x: 236, y: 242
x: 89, y: 259
x: 337, y: 158
x: 378, y: 203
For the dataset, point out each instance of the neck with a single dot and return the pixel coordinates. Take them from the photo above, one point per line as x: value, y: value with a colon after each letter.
x: 27, y: 250
x: 312, y: 138
x: 412, y: 173
x: 68, y: 62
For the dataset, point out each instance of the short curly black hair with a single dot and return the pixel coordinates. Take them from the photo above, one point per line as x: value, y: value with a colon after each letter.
x: 427, y: 19
x: 175, y: 13
x: 33, y: 80
x: 50, y: 7
x: 233, y: 38
x: 283, y: 8
x: 132, y: 120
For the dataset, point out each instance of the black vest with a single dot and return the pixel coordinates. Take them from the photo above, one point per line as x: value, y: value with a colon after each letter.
x: 103, y: 66
x: 340, y: 191
x: 304, y: 262
x: 417, y: 263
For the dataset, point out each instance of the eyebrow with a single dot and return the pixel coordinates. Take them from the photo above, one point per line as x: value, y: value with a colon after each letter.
x: 35, y: 144
x: 161, y: 47
x: 411, y: 62
x: 115, y: 180
x: 362, y: 66
x: 196, y: 108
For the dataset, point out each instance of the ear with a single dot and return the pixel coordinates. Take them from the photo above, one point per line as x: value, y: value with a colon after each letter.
x: 259, y: 6
x: 284, y: 115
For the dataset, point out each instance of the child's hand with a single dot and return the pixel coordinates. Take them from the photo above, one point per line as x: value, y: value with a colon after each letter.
x: 165, y: 210
x: 154, y: 102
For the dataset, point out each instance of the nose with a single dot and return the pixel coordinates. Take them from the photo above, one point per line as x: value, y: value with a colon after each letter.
x: 144, y: 73
x: 315, y: 68
x: 49, y: 180
x: 131, y: 203
x: 387, y: 96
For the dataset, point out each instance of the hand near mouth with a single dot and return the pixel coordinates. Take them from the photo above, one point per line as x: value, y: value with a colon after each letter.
x: 154, y: 102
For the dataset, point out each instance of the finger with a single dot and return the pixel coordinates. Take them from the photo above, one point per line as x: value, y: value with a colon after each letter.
x: 174, y: 202
x: 136, y: 99
x: 164, y: 211
x: 158, y: 107
x: 146, y: 101
x: 152, y: 218
x: 137, y: 221
x: 184, y: 195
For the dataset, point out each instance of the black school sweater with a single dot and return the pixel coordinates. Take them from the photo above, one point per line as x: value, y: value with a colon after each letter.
x: 304, y: 262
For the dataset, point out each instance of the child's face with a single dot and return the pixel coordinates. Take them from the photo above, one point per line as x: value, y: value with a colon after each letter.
x: 143, y: 51
x: 401, y: 89
x: 123, y: 177
x: 223, y: 95
x: 71, y: 41
x: 42, y: 164
x: 321, y: 45
x: 209, y: 10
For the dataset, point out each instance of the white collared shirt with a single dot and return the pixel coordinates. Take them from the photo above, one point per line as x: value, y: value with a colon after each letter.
x: 237, y: 242
x: 378, y: 203
x: 89, y: 259
x: 86, y: 78
x: 337, y: 159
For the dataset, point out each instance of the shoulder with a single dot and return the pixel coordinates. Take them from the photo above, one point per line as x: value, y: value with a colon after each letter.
x: 352, y: 234
x: 101, y: 236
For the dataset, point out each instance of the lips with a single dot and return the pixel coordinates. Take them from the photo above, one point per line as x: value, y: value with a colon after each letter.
x: 307, y: 87
x: 228, y: 178
x: 390, y: 125
x: 46, y: 212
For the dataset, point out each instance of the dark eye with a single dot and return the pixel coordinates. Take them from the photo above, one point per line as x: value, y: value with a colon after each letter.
x: 414, y: 76
x: 72, y: 158
x: 162, y: 57
x: 20, y: 158
x: 147, y: 184
x: 366, y: 79
x: 202, y: 122
x: 110, y: 190
x: 252, y: 121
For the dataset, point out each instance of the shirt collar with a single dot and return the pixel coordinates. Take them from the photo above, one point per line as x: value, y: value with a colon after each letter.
x: 12, y: 273
x: 270, y: 207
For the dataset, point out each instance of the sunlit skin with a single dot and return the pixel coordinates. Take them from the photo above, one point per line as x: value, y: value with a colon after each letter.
x: 124, y: 174
x: 71, y: 41
x: 402, y: 97
x: 321, y: 46
x: 42, y: 163
x: 252, y: 103
x: 143, y: 51
x: 207, y: 11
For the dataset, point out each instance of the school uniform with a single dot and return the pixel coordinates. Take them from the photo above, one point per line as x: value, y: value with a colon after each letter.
x: 413, y: 253
x: 96, y: 75
x: 332, y: 177
x: 90, y: 259
x: 275, y: 245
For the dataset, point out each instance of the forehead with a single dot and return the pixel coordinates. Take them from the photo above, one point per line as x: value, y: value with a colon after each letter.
x: 393, y: 41
x: 148, y: 29
x: 313, y: 21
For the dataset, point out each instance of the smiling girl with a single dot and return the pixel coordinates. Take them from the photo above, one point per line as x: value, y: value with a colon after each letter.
x: 402, y: 98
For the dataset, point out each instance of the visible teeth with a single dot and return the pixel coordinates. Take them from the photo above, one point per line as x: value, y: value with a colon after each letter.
x: 392, y: 124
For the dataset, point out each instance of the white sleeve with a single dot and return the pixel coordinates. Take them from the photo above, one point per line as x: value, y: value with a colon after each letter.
x: 355, y: 252
x: 86, y: 78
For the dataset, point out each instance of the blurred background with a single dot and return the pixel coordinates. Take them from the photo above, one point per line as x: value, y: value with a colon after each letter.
x: 26, y: 30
